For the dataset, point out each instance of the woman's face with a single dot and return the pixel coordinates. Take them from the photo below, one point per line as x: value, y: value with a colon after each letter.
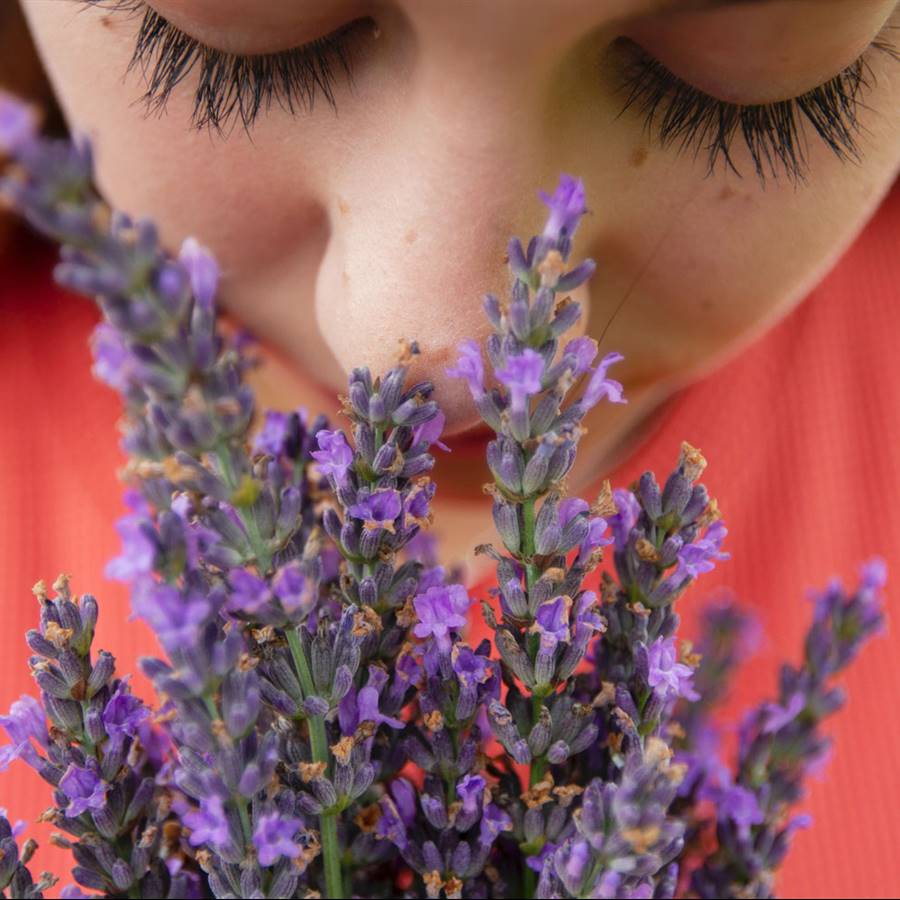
x: 385, y: 213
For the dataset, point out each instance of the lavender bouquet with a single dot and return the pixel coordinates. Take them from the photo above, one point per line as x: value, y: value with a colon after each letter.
x: 322, y: 726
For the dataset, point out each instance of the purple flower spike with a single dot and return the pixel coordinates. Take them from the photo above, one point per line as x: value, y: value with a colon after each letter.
x: 567, y: 205
x: 440, y: 611
x: 203, y: 271
x: 18, y: 124
x: 334, y: 455
x: 274, y: 838
x: 522, y: 376
x: 85, y: 789
x: 470, y: 367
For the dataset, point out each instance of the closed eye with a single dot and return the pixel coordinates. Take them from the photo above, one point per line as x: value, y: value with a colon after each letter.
x: 688, y: 119
x: 232, y: 88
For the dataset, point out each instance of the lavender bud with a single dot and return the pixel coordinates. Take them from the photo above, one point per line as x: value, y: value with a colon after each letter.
x: 547, y: 530
x: 545, y: 664
x: 565, y: 318
x: 51, y: 683
x: 515, y: 597
x: 103, y: 670
x: 558, y: 753
x: 461, y: 858
x: 533, y: 824
x: 343, y: 681
x: 535, y: 474
x: 93, y: 726
x: 315, y: 706
x: 696, y: 505
x: 514, y: 657
x: 66, y: 714
x: 651, y: 499
x: 539, y: 738
x: 364, y: 777
x: 435, y: 811
x: 584, y: 740
x: 240, y: 701
x: 37, y: 642
x: 676, y: 494
x: 506, y: 521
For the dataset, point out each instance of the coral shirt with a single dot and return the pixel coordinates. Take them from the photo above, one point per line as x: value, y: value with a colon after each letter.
x: 802, y: 433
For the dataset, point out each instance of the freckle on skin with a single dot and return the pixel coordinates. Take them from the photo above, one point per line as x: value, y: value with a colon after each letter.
x: 638, y: 157
x: 343, y: 206
x: 410, y: 236
x: 726, y: 193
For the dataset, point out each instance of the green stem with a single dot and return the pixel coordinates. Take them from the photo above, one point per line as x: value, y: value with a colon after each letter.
x: 531, y: 570
x: 331, y: 851
x: 530, y: 882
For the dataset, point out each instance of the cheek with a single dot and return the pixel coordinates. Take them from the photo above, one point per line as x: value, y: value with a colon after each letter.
x: 704, y: 266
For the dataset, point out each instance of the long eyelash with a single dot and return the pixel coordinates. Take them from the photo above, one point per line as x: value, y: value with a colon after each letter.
x: 232, y: 88
x: 774, y: 134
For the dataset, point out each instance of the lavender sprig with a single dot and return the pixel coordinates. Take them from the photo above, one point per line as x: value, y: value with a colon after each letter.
x: 781, y: 744
x: 16, y: 880
x: 314, y: 668
x: 101, y: 754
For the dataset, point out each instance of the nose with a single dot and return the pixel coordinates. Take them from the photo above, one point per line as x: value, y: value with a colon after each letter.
x: 418, y: 233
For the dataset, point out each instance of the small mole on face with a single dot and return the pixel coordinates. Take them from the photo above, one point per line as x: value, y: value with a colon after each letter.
x: 638, y: 157
x: 726, y: 193
x: 411, y: 236
x: 343, y: 206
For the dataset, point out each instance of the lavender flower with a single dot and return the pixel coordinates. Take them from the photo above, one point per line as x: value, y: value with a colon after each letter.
x: 668, y: 677
x: 312, y: 643
x: 441, y: 610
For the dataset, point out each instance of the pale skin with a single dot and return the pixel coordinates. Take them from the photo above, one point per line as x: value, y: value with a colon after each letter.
x: 340, y: 233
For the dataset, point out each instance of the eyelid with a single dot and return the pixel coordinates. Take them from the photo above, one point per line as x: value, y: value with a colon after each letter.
x: 256, y: 38
x: 762, y: 54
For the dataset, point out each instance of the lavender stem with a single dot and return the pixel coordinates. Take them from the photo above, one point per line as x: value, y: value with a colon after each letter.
x: 331, y: 852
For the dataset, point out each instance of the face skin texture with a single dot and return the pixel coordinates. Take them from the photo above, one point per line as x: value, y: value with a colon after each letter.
x: 341, y: 232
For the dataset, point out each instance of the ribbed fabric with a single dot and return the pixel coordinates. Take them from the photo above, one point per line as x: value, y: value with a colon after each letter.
x: 801, y: 431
